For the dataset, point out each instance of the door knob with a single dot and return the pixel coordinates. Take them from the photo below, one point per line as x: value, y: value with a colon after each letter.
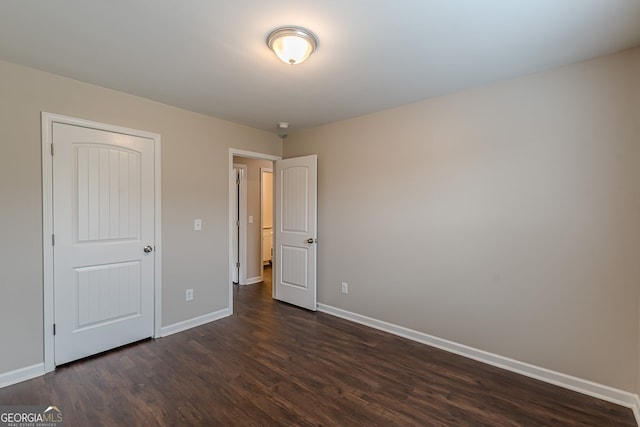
x: 147, y: 249
x: 310, y: 240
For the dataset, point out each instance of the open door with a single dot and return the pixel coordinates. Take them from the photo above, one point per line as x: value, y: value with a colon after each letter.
x: 296, y: 231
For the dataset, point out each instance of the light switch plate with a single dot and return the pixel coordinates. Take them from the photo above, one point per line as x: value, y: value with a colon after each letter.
x: 197, y: 224
x: 345, y: 288
x: 250, y: 219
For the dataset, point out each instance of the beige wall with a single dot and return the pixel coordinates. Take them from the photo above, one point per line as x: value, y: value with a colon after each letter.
x: 194, y: 185
x: 254, y: 232
x: 505, y: 218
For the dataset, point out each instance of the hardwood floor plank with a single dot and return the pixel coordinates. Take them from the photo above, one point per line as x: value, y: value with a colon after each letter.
x: 274, y: 364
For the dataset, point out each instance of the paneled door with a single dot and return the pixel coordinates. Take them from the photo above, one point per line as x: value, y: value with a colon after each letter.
x: 296, y: 231
x: 103, y: 221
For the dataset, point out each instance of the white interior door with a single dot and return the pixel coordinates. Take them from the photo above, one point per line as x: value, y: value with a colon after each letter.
x: 103, y: 192
x: 296, y: 231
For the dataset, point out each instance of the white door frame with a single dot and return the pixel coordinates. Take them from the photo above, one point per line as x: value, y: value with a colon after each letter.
x: 47, y: 223
x: 242, y: 229
x: 251, y: 155
x: 262, y: 172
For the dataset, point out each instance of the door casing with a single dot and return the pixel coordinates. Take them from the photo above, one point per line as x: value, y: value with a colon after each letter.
x: 241, y: 203
x: 264, y: 171
x: 251, y: 155
x: 47, y: 120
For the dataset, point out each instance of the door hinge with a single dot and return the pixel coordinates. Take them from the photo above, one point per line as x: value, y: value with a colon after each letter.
x: 237, y: 265
x: 237, y: 223
x: 54, y: 329
x: 53, y: 240
x: 52, y: 148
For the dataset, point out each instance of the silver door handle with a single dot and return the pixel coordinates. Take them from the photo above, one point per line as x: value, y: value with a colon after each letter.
x: 147, y: 249
x: 310, y: 240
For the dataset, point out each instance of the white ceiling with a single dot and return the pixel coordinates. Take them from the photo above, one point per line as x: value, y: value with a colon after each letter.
x: 210, y: 56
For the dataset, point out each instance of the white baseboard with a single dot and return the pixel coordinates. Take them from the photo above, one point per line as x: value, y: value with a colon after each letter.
x: 192, y: 323
x: 253, y: 280
x: 589, y: 388
x: 22, y: 374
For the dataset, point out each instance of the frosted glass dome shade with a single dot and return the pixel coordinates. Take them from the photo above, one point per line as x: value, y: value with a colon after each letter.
x: 292, y: 45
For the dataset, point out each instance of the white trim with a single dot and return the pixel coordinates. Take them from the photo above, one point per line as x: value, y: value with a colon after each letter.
x: 636, y: 409
x: 47, y: 121
x: 47, y: 248
x: 251, y: 155
x: 158, y: 238
x: 253, y: 280
x: 243, y: 172
x: 196, y: 321
x: 262, y: 172
x: 579, y: 385
x: 22, y: 374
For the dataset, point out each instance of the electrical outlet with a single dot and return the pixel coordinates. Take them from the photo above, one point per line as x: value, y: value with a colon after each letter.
x: 345, y: 288
x: 189, y: 295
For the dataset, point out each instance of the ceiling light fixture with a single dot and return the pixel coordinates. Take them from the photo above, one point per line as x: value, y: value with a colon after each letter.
x: 292, y: 44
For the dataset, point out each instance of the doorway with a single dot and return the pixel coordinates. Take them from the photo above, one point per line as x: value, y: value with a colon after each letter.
x: 295, y: 228
x: 249, y: 239
x: 266, y: 218
x: 248, y: 244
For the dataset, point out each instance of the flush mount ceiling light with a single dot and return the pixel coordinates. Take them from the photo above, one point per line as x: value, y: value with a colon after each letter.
x: 292, y: 44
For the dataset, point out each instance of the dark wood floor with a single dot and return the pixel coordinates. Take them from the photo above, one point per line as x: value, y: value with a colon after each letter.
x: 274, y: 364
